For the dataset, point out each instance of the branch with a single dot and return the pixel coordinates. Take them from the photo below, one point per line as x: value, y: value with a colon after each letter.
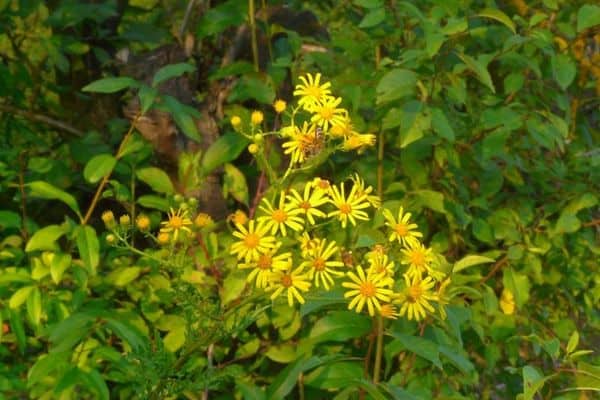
x: 41, y: 118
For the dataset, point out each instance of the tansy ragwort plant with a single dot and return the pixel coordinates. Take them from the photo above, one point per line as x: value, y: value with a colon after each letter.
x: 287, y: 247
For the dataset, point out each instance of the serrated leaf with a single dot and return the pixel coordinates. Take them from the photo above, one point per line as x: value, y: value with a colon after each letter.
x: 45, y: 238
x: 20, y: 296
x: 110, y: 85
x: 499, y: 16
x: 480, y: 70
x: 156, y: 178
x: 416, y: 130
x: 171, y: 71
x: 225, y: 149
x: 45, y: 190
x: 470, y: 261
x: 98, y: 167
x: 88, y: 246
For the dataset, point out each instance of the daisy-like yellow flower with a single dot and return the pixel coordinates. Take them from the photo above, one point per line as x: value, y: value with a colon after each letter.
x: 256, y: 118
x: 264, y: 265
x: 417, y: 297
x: 309, y: 202
x: 365, y: 289
x: 311, y: 91
x: 381, y: 264
x: 402, y: 229
x: 203, y: 220
x: 326, y: 113
x: 163, y: 238
x: 280, y: 218
x: 178, y: 221
x: 388, y: 311
x: 359, y: 142
x: 365, y: 190
x: 279, y: 106
x: 238, y: 217
x: 308, y: 244
x: 418, y: 259
x: 321, y: 184
x: 292, y: 282
x: 253, y: 242
x: 342, y: 129
x: 142, y: 222
x: 507, y: 302
x: 303, y: 143
x: 348, y: 208
x: 320, y: 267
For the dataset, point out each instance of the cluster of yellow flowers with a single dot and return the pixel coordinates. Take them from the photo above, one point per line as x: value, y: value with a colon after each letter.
x: 316, y: 122
x: 281, y: 264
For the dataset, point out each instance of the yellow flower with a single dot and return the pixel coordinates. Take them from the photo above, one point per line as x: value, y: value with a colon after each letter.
x: 380, y: 264
x: 388, y: 311
x: 402, y: 229
x: 308, y: 202
x: 277, y: 219
x: 365, y: 289
x: 238, y: 217
x: 362, y: 190
x: 307, y: 244
x: 416, y: 297
x: 253, y: 241
x: 264, y: 265
x: 124, y: 220
x: 303, y: 143
x: 111, y: 239
x: 443, y: 298
x: 321, y: 184
x: 203, y: 220
x: 256, y: 118
x: 507, y: 302
x: 253, y: 148
x: 142, y: 222
x: 235, y: 121
x: 178, y: 221
x: 357, y: 141
x: 311, y: 91
x: 291, y: 282
x: 279, y: 106
x: 321, y: 268
x: 163, y: 238
x: 348, y: 208
x: 418, y: 259
x: 342, y: 129
x: 326, y: 113
x: 109, y: 219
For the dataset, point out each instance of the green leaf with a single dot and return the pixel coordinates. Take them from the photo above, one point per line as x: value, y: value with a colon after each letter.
x: 98, y: 167
x: 225, y: 149
x: 499, y: 16
x: 479, y: 67
x: 70, y: 378
x: 184, y: 117
x: 155, y: 202
x: 147, y: 97
x: 470, y: 261
x: 441, y: 126
x: 416, y: 130
x: 567, y: 223
x: 422, y: 347
x: 45, y: 190
x: 563, y: 69
x: 533, y: 381
x: 67, y: 333
x: 45, y: 238
x: 16, y: 326
x: 128, y: 333
x: 124, y: 276
x: 175, y: 339
x: 19, y: 297
x: 234, y: 183
x: 518, y: 284
x: 45, y: 365
x: 156, y: 178
x: 34, y: 307
x: 9, y: 220
x: 218, y: 18
x: 372, y: 18
x: 284, y: 353
x: 430, y: 199
x: 110, y: 85
x: 94, y: 380
x: 248, y: 88
x: 588, y: 16
x: 171, y: 71
x: 59, y: 264
x: 285, y: 381
x: 334, y: 375
x: 233, y: 286
x: 88, y: 246
x: 573, y: 342
x: 340, y: 326
x: 396, y: 84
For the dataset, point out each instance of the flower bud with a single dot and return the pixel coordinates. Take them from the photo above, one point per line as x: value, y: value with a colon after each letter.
x: 253, y: 148
x: 111, y: 239
x: 235, y: 121
x: 279, y: 106
x: 109, y: 219
x: 124, y: 220
x: 142, y: 222
x: 163, y: 238
x: 203, y: 220
x: 256, y: 118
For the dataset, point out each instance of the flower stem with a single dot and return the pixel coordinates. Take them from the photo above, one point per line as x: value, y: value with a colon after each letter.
x: 251, y: 14
x: 378, y: 349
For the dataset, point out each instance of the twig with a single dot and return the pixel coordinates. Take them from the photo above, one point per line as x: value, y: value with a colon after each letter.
x: 186, y: 18
x: 24, y: 231
x: 495, y: 268
x: 41, y: 118
x: 593, y: 222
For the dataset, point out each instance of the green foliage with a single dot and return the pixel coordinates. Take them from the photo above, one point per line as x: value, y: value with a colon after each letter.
x: 486, y: 117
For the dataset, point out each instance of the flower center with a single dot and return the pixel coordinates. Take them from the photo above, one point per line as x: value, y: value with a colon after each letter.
x: 367, y: 289
x: 313, y: 91
x: 415, y: 293
x: 326, y: 113
x: 345, y: 208
x: 286, y: 280
x: 305, y: 205
x: 251, y: 240
x: 417, y: 257
x: 176, y: 222
x: 319, y: 264
x: 264, y: 261
x: 279, y: 216
x: 401, y: 229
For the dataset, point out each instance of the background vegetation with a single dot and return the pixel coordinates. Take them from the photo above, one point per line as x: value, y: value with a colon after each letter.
x: 487, y: 124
